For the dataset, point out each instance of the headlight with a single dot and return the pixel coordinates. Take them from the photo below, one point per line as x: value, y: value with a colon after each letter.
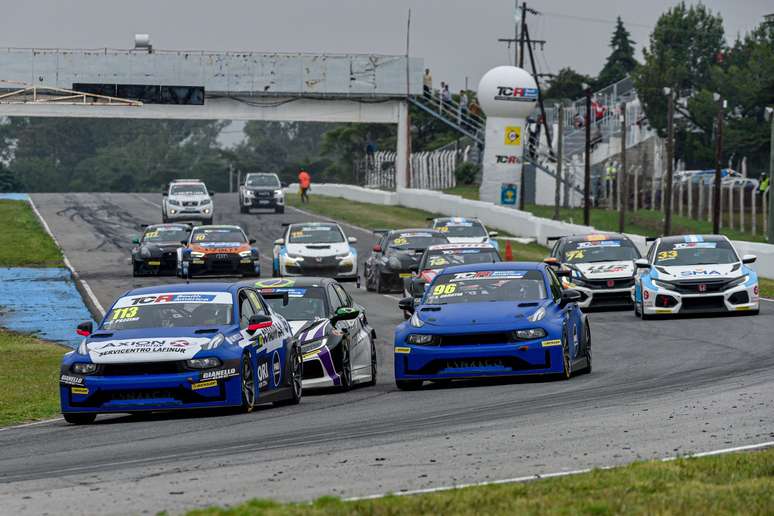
x: 173, y: 202
x: 206, y: 211
x: 415, y: 321
x: 83, y: 368
x: 416, y: 338
x: 314, y: 345
x: 664, y: 284
x: 249, y: 193
x: 538, y: 315
x: 246, y: 254
x: 197, y: 254
x: 343, y: 256
x: 214, y: 342
x: 203, y: 363
x: 278, y: 193
x: 738, y: 281
x: 205, y: 202
x: 530, y: 334
x: 294, y: 257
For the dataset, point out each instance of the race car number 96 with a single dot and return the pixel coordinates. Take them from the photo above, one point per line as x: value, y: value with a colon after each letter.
x: 440, y: 290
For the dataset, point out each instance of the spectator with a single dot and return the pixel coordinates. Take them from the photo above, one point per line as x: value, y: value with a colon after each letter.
x: 474, y: 109
x: 445, y: 95
x: 427, y: 83
x: 370, y: 152
x: 463, y: 106
x: 578, y: 121
x: 305, y: 185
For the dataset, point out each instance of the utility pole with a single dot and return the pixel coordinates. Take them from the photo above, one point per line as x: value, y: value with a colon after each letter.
x: 716, y: 212
x: 623, y: 182
x: 770, y: 116
x: 518, y: 40
x: 559, y: 157
x: 666, y: 191
x: 587, y: 164
x: 521, y: 35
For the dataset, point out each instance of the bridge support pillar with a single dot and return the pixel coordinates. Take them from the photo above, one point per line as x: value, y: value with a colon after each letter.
x: 402, y: 152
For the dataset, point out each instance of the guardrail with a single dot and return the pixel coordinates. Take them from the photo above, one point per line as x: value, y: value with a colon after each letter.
x: 515, y: 222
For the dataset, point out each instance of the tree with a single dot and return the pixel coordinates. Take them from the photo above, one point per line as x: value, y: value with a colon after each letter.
x: 568, y: 84
x: 621, y: 61
x: 8, y: 182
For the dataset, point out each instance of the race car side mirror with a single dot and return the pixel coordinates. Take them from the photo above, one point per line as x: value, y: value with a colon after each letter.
x: 377, y: 248
x: 352, y: 240
x: 211, y: 193
x: 642, y: 263
x: 284, y: 184
x: 407, y: 304
x: 252, y: 241
x: 163, y: 193
x: 257, y: 322
x: 344, y: 313
x: 749, y: 258
x: 85, y: 329
x: 570, y: 295
x: 135, y: 240
x: 279, y: 241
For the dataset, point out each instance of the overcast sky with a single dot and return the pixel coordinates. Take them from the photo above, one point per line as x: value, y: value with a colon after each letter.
x: 457, y: 38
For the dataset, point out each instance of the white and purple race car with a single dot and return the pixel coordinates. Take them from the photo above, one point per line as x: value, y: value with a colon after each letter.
x: 337, y: 343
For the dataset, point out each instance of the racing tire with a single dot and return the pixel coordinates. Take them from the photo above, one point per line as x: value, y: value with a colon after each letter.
x: 566, y: 373
x: 636, y: 307
x: 368, y: 285
x: 346, y: 368
x: 135, y: 270
x: 279, y: 209
x: 406, y: 315
x: 408, y: 385
x: 374, y: 367
x: 296, y: 376
x: 587, y: 351
x: 79, y: 419
x: 378, y: 287
x: 643, y: 315
x: 247, y: 379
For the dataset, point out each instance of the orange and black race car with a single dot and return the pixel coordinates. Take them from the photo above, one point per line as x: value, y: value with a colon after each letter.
x: 218, y: 250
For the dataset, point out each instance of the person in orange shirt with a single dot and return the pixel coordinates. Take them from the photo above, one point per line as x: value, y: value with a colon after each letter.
x: 305, y: 184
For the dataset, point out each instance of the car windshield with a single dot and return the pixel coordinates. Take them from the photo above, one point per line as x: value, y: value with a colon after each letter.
x: 210, y: 235
x: 467, y: 228
x: 263, y: 180
x: 484, y: 286
x: 165, y: 234
x: 304, y: 303
x: 315, y: 234
x: 188, y: 189
x: 599, y: 250
x: 448, y: 257
x: 413, y: 240
x: 170, y: 310
x: 695, y: 253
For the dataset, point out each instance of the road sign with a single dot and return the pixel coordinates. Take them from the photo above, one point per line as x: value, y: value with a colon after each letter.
x: 508, y: 194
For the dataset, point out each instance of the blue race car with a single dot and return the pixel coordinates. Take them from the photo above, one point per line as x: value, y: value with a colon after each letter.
x: 486, y: 320
x: 182, y: 347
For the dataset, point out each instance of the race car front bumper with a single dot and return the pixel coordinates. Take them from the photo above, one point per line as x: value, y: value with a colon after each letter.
x: 166, y: 263
x: 414, y: 362
x: 326, y: 267
x: 604, y: 298
x: 319, y: 371
x: 657, y: 300
x: 145, y: 392
x: 260, y: 200
x: 222, y: 264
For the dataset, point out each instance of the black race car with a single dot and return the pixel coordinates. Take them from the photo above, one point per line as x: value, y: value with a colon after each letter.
x: 155, y: 252
x: 395, y: 255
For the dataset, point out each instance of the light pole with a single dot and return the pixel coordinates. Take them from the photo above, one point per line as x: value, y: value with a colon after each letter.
x: 770, y: 118
x: 587, y: 165
x: 667, y: 187
x: 623, y: 180
x: 716, y: 212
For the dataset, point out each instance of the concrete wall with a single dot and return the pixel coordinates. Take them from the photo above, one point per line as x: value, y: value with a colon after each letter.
x: 515, y: 222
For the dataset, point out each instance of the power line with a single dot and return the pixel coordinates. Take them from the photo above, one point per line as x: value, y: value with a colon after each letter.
x: 595, y: 20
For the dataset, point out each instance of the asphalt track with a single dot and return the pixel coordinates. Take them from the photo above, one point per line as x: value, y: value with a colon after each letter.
x: 659, y: 388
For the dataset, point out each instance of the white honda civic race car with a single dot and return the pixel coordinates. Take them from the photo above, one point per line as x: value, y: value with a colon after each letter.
x: 694, y: 274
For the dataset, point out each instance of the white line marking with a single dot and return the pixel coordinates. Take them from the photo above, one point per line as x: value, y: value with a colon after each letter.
x: 147, y: 201
x: 34, y: 423
x: 392, y: 297
x: 536, y: 476
x: 73, y: 272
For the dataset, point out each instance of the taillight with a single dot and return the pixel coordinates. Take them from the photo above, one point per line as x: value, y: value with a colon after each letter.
x: 645, y: 294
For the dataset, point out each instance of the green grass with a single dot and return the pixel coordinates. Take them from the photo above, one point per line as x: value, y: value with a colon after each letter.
x: 29, y: 378
x: 741, y: 483
x: 642, y: 222
x: 23, y: 241
x: 374, y: 216
x: 766, y: 287
x: 464, y: 191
